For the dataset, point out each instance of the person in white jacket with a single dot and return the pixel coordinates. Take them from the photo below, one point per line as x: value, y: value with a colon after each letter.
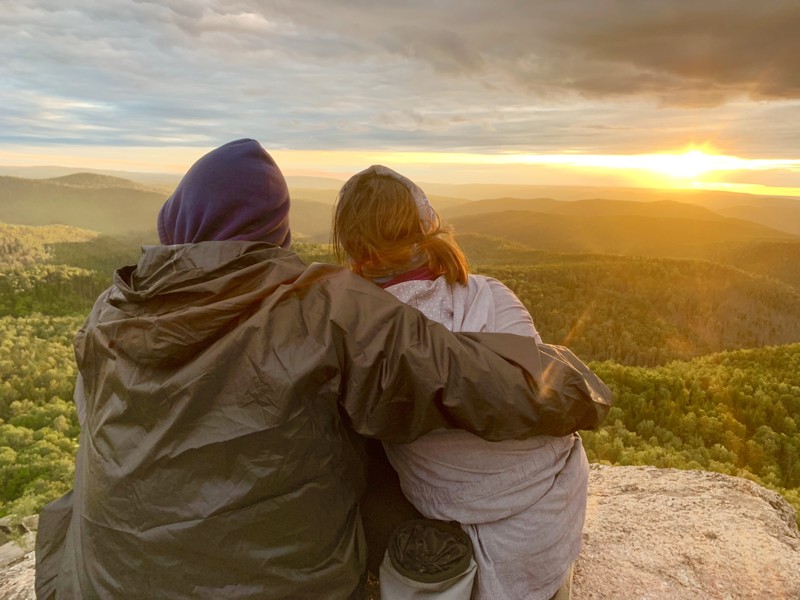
x: 522, y: 502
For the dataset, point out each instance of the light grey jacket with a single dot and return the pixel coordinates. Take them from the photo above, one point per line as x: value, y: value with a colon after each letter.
x: 522, y: 502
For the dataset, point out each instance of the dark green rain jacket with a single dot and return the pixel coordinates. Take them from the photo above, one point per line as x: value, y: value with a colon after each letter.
x: 224, y: 385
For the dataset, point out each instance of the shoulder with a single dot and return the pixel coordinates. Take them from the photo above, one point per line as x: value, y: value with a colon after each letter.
x: 489, y: 285
x: 510, y: 314
x: 486, y: 281
x: 347, y: 294
x: 336, y: 281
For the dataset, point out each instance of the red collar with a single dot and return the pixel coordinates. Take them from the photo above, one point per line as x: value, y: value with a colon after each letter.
x: 419, y: 274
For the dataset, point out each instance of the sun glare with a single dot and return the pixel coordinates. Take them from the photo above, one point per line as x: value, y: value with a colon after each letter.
x: 688, y: 165
x: 683, y: 167
x: 689, y: 168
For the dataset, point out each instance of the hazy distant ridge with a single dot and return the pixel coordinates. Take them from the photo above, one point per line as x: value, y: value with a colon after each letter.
x: 619, y: 234
x: 86, y: 201
x: 114, y: 206
x: 662, y: 227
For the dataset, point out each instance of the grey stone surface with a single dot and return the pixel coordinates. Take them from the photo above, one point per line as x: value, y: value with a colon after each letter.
x: 16, y: 581
x: 31, y: 523
x: 650, y: 534
x: 10, y: 552
x: 666, y: 534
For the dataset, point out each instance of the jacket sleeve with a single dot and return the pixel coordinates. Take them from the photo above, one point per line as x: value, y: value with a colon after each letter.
x: 404, y: 375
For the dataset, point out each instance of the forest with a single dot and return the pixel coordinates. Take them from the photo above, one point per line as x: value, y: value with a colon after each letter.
x: 703, y: 358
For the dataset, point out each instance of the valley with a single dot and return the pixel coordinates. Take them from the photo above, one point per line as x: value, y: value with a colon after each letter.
x: 689, y: 311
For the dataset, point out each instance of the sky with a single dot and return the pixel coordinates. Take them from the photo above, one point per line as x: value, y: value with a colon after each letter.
x: 590, y: 92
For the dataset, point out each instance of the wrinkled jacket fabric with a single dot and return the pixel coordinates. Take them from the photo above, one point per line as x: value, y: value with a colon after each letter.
x: 224, y: 384
x: 522, y: 502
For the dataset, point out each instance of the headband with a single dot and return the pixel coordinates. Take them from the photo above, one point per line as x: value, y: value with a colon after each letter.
x: 426, y: 212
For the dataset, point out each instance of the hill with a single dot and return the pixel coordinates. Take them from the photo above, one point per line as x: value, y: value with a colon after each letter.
x: 778, y: 213
x: 95, y: 181
x: 638, y: 311
x: 23, y: 246
x: 595, y: 207
x: 325, y: 197
x: 113, y: 205
x: 106, y: 205
x: 120, y: 207
x: 645, y: 311
x: 772, y: 211
x: 310, y: 220
x: 629, y: 234
x: 161, y: 181
x: 778, y: 260
x: 569, y: 193
x: 730, y: 412
x: 311, y: 182
x: 485, y: 250
x: 328, y: 196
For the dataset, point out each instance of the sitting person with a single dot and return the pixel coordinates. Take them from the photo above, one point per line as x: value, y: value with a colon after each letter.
x: 224, y: 388
x: 522, y: 502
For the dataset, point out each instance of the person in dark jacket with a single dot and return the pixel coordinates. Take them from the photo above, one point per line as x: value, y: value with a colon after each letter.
x: 223, y: 394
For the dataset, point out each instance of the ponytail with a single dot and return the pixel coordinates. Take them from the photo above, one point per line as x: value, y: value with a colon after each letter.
x: 446, y: 256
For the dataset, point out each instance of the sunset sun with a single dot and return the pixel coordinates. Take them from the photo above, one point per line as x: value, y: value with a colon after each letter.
x: 686, y: 165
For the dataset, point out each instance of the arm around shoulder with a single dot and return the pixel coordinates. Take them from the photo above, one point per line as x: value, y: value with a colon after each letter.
x: 404, y: 375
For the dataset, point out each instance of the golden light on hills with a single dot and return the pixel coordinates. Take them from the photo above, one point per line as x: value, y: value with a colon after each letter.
x: 683, y: 168
x: 680, y: 169
x: 697, y: 166
x: 690, y: 162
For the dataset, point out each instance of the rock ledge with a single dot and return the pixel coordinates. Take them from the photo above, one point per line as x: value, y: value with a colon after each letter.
x: 666, y: 534
x: 654, y: 534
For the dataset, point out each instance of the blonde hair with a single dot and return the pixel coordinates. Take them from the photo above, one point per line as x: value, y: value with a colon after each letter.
x: 377, y: 228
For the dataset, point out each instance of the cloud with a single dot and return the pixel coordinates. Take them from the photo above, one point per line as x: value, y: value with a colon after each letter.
x: 676, y: 51
x: 461, y: 75
x: 700, y: 53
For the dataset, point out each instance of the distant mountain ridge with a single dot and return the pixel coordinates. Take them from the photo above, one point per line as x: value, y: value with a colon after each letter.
x: 159, y: 180
x: 631, y: 234
x: 95, y: 181
x: 114, y: 205
x: 593, y: 207
x: 778, y: 212
x: 86, y: 201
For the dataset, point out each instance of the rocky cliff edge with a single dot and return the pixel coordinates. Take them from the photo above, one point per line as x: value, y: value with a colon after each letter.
x: 651, y: 534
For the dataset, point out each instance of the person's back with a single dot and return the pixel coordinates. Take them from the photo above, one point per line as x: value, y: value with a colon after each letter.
x: 213, y: 477
x: 521, y: 501
x: 222, y: 388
